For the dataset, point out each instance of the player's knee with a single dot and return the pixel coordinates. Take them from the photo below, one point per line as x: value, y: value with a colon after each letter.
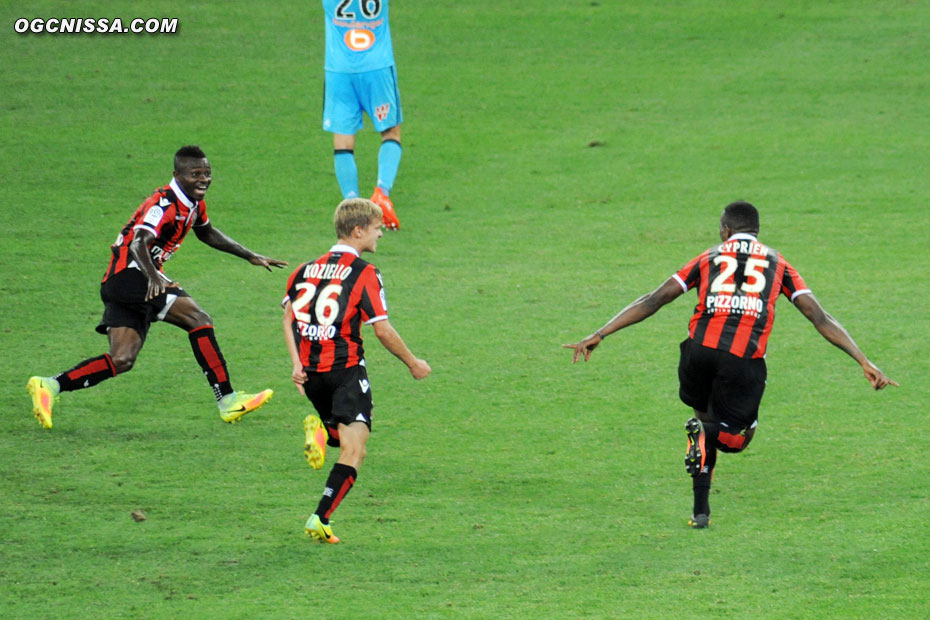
x: 354, y: 453
x: 199, y: 318
x: 123, y: 362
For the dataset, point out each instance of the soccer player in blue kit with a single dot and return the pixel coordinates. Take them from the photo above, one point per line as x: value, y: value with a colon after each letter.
x: 360, y: 76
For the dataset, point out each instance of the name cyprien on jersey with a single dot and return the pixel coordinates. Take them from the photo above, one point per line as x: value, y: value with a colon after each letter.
x: 742, y: 246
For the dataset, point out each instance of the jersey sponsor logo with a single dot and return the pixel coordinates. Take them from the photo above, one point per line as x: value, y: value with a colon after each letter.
x: 317, y: 332
x: 153, y: 216
x: 736, y: 304
x: 359, y: 39
x: 160, y: 255
x: 382, y: 111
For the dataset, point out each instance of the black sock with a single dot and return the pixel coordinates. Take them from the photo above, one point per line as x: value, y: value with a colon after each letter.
x: 701, y: 482
x: 338, y: 485
x: 701, y: 487
x: 711, y: 432
x: 210, y: 358
x: 87, y: 374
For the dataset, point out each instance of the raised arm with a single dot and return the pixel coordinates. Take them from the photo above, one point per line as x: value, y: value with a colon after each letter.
x: 643, y: 308
x: 219, y: 240
x: 395, y: 344
x: 835, y: 333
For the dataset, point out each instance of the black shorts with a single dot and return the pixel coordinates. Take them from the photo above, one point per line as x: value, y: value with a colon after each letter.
x: 124, y: 304
x: 340, y: 396
x: 717, y: 382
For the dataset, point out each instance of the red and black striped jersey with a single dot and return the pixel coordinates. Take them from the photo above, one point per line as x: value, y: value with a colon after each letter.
x: 330, y: 299
x: 169, y: 215
x: 738, y: 283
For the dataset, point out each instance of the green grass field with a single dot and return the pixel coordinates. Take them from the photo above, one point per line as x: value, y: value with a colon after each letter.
x: 560, y: 159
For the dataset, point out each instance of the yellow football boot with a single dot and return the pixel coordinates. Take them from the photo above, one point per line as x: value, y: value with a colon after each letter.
x: 315, y: 442
x: 234, y: 406
x: 44, y: 391
x: 319, y: 531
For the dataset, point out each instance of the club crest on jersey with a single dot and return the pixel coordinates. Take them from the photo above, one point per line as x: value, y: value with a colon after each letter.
x: 382, y: 111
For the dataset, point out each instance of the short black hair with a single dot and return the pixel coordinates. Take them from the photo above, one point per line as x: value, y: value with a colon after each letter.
x: 741, y: 216
x: 190, y: 151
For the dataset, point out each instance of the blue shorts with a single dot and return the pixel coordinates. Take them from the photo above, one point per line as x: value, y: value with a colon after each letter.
x: 347, y: 95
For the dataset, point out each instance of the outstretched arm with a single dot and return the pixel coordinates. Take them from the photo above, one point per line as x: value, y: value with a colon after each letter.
x: 641, y: 309
x: 219, y: 240
x: 395, y: 344
x: 831, y: 329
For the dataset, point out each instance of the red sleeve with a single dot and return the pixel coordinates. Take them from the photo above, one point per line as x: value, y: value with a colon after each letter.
x: 690, y: 274
x: 792, y: 284
x: 373, y: 304
x: 156, y: 212
x: 290, y: 284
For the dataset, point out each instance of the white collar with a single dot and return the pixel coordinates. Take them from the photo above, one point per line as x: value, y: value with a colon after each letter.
x: 341, y: 247
x: 180, y: 194
x: 743, y: 236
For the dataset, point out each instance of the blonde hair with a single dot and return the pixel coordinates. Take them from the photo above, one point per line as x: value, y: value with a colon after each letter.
x: 354, y: 212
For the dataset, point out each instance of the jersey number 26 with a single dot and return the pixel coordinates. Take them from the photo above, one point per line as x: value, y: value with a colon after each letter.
x: 326, y: 307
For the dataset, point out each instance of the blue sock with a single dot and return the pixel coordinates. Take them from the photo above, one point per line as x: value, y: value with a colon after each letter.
x: 388, y: 163
x: 346, y: 172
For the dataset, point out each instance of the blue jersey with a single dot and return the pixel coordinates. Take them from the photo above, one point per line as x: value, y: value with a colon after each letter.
x: 358, y: 37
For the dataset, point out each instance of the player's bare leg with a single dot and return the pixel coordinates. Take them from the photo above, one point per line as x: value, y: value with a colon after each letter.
x: 187, y: 314
x: 352, y: 450
x: 125, y: 344
x: 344, y: 164
x: 388, y: 163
